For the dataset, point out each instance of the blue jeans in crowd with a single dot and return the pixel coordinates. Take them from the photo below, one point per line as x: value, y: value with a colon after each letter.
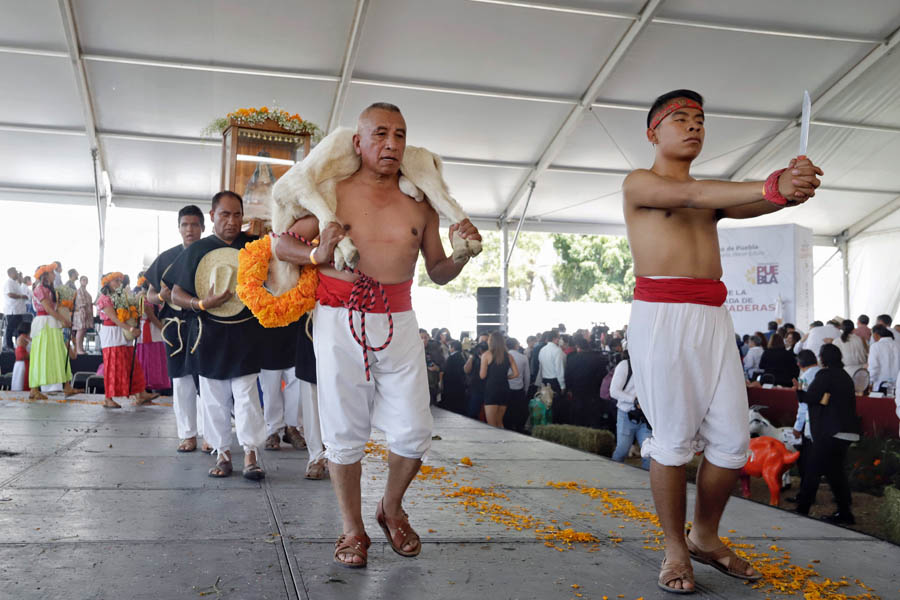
x: 626, y: 432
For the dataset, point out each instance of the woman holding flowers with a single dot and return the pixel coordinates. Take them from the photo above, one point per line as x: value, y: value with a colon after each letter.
x: 122, y: 373
x: 49, y: 365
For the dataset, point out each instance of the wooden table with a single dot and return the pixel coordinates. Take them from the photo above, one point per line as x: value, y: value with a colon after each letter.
x: 878, y: 415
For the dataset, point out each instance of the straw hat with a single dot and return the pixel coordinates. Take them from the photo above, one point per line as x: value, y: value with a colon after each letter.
x: 218, y: 269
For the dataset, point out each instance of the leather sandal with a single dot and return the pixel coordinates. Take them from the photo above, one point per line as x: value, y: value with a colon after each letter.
x: 223, y: 468
x: 254, y: 472
x: 36, y: 395
x: 188, y: 445
x: 736, y: 567
x: 402, y: 535
x: 316, y: 470
x: 272, y: 442
x: 352, y: 544
x: 676, y: 571
x: 293, y: 437
x: 110, y: 403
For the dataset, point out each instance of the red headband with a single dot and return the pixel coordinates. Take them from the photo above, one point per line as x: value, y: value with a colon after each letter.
x: 672, y: 107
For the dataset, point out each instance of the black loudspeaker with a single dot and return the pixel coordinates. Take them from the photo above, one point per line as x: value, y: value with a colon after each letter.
x: 491, y: 307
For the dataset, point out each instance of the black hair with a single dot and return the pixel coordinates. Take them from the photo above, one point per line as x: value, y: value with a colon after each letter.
x: 194, y: 211
x: 220, y: 195
x: 847, y: 327
x: 667, y: 97
x: 886, y: 319
x: 73, y: 272
x: 512, y: 343
x: 24, y: 327
x: 757, y: 340
x: 381, y: 106
x: 831, y: 357
x: 582, y: 344
x: 816, y: 324
x: 455, y: 346
x: 807, y: 358
x: 882, y: 331
x: 773, y: 325
x: 864, y: 319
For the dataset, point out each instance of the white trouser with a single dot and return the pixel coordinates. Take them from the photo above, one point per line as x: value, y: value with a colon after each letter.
x: 689, y: 380
x: 188, y: 411
x: 216, y: 395
x: 312, y: 431
x: 52, y: 387
x: 280, y: 407
x: 394, y: 400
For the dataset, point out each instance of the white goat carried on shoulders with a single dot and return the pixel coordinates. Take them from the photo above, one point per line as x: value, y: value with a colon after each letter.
x: 309, y: 188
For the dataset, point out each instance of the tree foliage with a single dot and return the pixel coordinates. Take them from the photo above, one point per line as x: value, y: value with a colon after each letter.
x: 593, y: 268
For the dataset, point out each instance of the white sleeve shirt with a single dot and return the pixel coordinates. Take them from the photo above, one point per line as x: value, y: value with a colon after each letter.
x: 518, y: 383
x: 553, y: 363
x: 624, y: 394
x: 751, y: 361
x: 884, y: 362
x: 13, y: 306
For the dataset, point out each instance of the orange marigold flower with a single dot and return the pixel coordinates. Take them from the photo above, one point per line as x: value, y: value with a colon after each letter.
x: 271, y: 311
x: 877, y: 462
x: 264, y: 109
x: 465, y: 460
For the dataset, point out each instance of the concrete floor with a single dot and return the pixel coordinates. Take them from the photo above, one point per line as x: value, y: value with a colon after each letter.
x: 97, y: 504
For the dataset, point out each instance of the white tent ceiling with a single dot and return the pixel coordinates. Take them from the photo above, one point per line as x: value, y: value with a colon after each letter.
x: 507, y: 91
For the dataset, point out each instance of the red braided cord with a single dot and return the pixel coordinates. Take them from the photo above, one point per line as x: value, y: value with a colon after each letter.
x: 362, y: 299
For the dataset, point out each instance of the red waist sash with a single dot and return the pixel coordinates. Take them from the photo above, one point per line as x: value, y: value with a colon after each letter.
x: 40, y: 313
x: 681, y: 290
x: 337, y: 292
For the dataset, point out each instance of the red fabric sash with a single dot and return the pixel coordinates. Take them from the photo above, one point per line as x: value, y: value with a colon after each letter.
x: 682, y: 290
x: 337, y: 292
x: 40, y: 313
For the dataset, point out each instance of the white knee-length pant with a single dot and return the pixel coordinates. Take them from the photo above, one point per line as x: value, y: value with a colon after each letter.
x: 217, y: 394
x: 188, y: 410
x: 690, y: 382
x: 395, y: 400
x: 280, y: 407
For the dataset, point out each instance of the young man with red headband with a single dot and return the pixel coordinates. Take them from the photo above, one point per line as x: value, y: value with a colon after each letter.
x: 696, y: 402
x: 370, y: 362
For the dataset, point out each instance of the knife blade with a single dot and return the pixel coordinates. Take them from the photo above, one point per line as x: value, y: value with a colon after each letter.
x: 804, y: 124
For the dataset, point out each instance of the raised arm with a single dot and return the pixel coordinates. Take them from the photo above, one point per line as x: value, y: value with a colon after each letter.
x: 645, y: 189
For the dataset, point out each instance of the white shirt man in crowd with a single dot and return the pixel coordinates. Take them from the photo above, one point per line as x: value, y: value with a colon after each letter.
x: 14, y: 302
x: 886, y: 320
x: 753, y: 357
x: 552, y: 361
x: 819, y: 335
x: 884, y: 358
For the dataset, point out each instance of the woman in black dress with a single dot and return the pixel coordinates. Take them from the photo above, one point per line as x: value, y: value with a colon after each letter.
x: 779, y: 362
x: 496, y: 371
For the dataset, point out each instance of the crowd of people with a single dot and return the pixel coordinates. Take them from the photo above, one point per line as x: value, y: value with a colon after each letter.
x: 870, y: 355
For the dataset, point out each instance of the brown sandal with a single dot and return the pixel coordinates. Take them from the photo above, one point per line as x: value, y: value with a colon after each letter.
x: 675, y: 570
x: 355, y: 545
x: 737, y: 566
x: 402, y: 529
x: 223, y: 468
x: 316, y: 471
x: 188, y: 445
x: 272, y: 442
x: 110, y: 403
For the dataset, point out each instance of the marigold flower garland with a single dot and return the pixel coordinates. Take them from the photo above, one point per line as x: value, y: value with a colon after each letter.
x: 43, y: 269
x: 66, y: 297
x: 256, y: 116
x: 272, y: 311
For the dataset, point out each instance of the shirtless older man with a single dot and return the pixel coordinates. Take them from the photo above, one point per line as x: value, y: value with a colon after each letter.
x: 694, y: 401
x: 384, y: 386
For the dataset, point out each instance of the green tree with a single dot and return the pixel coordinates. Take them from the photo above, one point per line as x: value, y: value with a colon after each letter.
x: 484, y: 269
x: 594, y: 268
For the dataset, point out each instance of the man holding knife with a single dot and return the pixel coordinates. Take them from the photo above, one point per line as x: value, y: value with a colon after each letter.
x: 696, y: 404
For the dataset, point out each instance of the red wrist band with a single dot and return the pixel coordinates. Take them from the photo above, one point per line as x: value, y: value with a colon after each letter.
x: 770, y: 190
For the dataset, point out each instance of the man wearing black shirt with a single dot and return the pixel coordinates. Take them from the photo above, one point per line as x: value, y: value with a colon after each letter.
x: 226, y: 349
x: 188, y: 418
x: 585, y: 370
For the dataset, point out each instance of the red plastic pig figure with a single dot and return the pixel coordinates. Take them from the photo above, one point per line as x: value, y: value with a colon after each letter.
x: 768, y: 459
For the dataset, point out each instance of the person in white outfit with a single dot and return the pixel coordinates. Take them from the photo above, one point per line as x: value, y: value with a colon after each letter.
x: 853, y: 348
x: 753, y: 357
x: 819, y: 335
x: 552, y: 372
x: 305, y: 371
x: 631, y: 423
x: 281, y: 407
x: 884, y: 359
